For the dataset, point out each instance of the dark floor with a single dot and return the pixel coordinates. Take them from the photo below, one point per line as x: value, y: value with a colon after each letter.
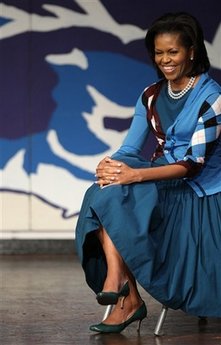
x: 44, y: 300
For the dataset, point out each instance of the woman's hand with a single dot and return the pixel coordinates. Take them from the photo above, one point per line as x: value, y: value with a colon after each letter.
x: 110, y: 171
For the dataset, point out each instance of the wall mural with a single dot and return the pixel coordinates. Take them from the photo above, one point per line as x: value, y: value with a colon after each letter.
x: 71, y: 72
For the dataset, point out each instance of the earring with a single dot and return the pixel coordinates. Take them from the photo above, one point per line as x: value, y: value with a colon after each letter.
x: 191, y: 58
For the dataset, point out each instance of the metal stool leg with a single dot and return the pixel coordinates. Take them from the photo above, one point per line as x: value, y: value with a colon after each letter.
x: 202, y: 320
x: 107, y: 311
x: 161, y: 320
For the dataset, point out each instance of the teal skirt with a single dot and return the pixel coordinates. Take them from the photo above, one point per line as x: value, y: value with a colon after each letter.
x: 169, y: 238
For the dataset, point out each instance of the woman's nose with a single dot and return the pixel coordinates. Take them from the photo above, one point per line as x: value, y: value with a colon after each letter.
x: 166, y: 58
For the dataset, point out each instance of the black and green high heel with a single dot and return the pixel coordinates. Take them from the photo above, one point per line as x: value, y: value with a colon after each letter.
x: 139, y: 315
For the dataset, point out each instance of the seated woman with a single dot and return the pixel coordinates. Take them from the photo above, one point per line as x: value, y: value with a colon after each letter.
x: 158, y: 223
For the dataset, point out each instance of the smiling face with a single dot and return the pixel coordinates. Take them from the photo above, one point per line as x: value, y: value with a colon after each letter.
x: 172, y: 58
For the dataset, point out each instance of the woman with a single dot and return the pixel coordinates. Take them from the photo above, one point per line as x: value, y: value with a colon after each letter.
x: 158, y: 222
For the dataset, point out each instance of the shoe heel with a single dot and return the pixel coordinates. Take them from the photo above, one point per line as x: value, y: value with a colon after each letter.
x: 122, y: 302
x: 138, y: 326
x: 124, y: 293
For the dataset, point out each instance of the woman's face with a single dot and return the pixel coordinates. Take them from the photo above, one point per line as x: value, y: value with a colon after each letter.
x: 171, y: 57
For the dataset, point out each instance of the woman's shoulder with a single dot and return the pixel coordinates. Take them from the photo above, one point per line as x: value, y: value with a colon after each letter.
x: 210, y: 84
x: 152, y: 88
x: 152, y: 91
x: 212, y: 92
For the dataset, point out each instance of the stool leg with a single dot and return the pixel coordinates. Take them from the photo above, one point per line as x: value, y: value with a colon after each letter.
x: 202, y: 320
x: 107, y: 311
x: 161, y: 320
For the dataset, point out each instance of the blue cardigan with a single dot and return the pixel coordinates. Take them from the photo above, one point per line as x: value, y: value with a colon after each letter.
x: 193, y: 138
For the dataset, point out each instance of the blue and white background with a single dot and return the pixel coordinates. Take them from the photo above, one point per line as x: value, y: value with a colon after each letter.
x: 70, y: 74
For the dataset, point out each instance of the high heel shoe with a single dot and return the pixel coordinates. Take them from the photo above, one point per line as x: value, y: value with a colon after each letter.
x: 139, y: 315
x: 106, y: 298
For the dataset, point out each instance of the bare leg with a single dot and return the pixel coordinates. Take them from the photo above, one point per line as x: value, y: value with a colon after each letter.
x: 117, y: 274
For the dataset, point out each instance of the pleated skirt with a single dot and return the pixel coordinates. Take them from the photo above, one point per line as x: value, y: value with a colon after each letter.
x: 169, y: 238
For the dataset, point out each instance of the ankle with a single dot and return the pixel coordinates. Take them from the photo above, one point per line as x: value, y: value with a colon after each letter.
x: 115, y: 284
x: 134, y: 301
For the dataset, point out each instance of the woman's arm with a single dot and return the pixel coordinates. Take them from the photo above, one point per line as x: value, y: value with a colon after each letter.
x: 203, y: 140
x: 134, y: 140
x: 137, y: 133
x: 115, y: 172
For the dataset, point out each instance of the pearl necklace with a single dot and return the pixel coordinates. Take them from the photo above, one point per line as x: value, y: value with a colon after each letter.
x: 178, y: 95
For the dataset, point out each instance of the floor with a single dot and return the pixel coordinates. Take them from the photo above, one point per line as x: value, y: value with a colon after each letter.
x: 45, y: 301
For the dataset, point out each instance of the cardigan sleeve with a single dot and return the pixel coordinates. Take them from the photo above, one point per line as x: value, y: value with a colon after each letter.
x: 137, y: 133
x: 205, y: 136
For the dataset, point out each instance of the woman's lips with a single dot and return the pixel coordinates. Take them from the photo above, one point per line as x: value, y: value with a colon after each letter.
x: 168, y: 69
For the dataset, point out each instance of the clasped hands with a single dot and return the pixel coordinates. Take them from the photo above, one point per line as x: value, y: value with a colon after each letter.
x: 110, y: 171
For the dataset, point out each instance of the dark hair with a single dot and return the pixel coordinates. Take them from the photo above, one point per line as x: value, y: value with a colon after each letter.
x: 191, y: 35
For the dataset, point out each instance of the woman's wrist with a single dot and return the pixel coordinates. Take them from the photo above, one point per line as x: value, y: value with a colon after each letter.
x: 138, y: 175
